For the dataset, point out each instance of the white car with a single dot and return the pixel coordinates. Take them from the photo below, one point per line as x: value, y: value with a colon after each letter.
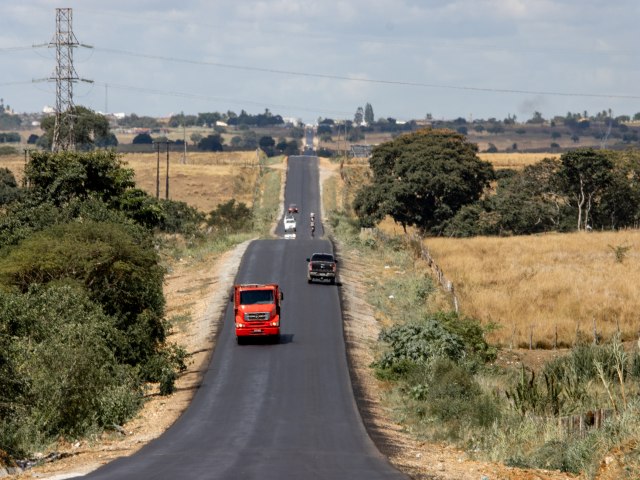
x: 289, y: 223
x: 290, y: 234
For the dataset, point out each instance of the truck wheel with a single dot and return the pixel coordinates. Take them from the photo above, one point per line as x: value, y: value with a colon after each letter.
x: 332, y: 281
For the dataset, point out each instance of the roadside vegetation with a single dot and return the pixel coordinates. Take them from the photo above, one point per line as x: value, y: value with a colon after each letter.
x: 83, y: 254
x: 450, y: 376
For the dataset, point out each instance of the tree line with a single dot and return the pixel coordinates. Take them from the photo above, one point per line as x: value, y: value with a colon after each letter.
x: 433, y: 180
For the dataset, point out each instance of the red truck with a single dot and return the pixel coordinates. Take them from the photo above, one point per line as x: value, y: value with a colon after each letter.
x: 257, y: 310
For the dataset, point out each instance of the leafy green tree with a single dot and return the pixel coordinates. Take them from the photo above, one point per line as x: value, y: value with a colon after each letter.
x: 211, y: 143
x: 525, y: 202
x: 59, y: 177
x: 182, y: 120
x: 619, y: 205
x: 117, y: 264
x: 9, y: 190
x: 142, y: 139
x: 179, y: 217
x: 109, y: 140
x: 585, y: 174
x: 249, y: 140
x: 8, y: 121
x: 358, y: 118
x: 88, y: 126
x: 231, y: 216
x: 208, y: 119
x: 423, y: 179
x: 288, y: 147
x: 134, y: 121
x: 195, y: 137
x: 368, y: 114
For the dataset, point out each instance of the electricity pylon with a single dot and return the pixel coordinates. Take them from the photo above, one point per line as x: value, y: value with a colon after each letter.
x: 65, y: 76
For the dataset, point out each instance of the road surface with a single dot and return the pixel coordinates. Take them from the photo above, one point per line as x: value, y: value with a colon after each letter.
x: 265, y: 411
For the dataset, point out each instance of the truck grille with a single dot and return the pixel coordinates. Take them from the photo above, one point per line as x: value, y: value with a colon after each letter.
x: 256, y: 316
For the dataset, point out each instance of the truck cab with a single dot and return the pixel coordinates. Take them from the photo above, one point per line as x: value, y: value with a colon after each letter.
x: 257, y: 311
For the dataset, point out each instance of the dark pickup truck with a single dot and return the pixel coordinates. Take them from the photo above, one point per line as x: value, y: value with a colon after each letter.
x: 322, y: 266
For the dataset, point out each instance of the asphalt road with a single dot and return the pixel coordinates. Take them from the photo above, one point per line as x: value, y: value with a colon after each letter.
x: 265, y: 411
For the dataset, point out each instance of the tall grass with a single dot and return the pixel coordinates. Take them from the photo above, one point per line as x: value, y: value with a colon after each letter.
x: 535, y: 286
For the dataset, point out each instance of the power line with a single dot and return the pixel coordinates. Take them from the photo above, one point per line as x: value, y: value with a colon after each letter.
x: 170, y: 93
x: 16, y: 49
x: 366, y: 80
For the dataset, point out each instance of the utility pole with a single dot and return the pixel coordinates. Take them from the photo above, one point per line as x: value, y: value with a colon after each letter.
x: 65, y: 76
x: 167, y: 187
x: 158, y: 172
x: 184, y: 139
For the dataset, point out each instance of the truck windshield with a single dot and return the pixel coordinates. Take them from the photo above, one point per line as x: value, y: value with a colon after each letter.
x: 253, y: 297
x: 322, y: 258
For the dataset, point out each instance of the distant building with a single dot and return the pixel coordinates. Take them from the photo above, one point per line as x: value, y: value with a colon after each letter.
x: 47, y: 109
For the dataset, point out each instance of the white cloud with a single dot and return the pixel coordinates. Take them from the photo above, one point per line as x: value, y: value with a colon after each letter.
x: 534, y: 45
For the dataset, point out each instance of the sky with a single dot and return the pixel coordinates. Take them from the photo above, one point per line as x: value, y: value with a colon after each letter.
x: 311, y: 59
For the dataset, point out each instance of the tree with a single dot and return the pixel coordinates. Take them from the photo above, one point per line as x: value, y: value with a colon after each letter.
x: 423, y: 179
x: 60, y: 177
x: 211, y: 143
x: 9, y: 190
x: 324, y: 129
x: 196, y: 137
x: 142, y: 139
x: 536, y: 118
x: 267, y: 144
x: 106, y: 141
x: 88, y: 127
x: 584, y: 175
x: 358, y: 118
x: 368, y: 114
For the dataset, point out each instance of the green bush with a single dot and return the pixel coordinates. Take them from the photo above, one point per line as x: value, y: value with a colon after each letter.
x: 179, y: 217
x: 231, y: 217
x: 59, y: 177
x: 66, y: 378
x: 419, y: 342
x: 118, y: 266
x: 443, y: 334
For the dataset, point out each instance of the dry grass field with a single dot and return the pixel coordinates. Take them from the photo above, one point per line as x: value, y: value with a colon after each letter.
x: 204, y: 181
x: 533, y: 286
x: 515, y: 160
x: 542, y: 289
